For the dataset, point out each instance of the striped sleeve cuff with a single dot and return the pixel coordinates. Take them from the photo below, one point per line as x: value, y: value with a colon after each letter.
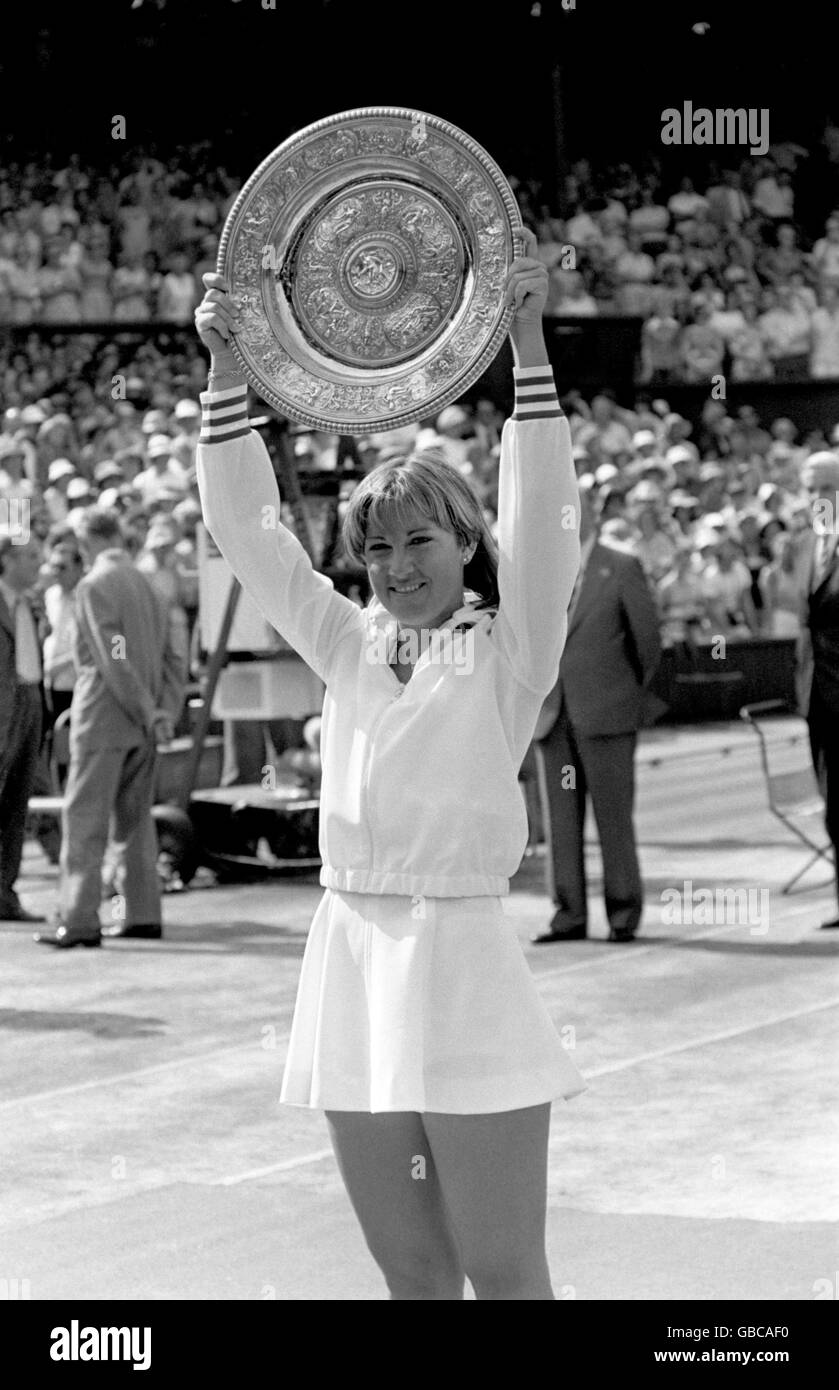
x: 536, y: 397
x: 224, y: 415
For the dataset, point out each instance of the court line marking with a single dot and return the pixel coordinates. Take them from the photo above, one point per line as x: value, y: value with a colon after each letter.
x: 152, y: 1070
x: 711, y: 1039
x: 642, y: 1057
x: 283, y: 1167
x: 615, y: 957
x: 304, y: 1160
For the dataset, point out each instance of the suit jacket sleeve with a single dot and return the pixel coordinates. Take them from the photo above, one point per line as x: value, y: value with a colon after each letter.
x: 642, y: 620
x: 99, y: 624
x: 241, y: 505
x: 8, y: 680
x: 175, y: 673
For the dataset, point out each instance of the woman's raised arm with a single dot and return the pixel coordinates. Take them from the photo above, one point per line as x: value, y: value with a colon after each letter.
x: 240, y: 501
x: 538, y: 497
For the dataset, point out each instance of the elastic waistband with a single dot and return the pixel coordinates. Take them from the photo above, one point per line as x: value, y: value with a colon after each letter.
x: 415, y: 885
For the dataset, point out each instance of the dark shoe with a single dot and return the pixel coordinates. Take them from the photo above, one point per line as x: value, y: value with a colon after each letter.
x: 63, y: 938
x: 622, y: 933
x: 143, y: 931
x: 13, y: 912
x: 828, y: 926
x: 561, y: 930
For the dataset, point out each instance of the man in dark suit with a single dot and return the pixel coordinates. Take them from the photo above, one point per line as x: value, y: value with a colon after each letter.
x: 128, y: 693
x: 21, y: 712
x: 587, y: 736
x: 821, y: 478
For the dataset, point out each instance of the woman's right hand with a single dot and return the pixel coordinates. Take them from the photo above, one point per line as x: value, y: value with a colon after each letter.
x: 217, y: 316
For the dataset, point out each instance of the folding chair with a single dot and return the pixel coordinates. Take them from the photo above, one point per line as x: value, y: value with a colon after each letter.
x: 793, y: 793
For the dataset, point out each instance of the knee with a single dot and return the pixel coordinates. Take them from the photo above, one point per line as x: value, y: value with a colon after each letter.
x: 420, y: 1274
x: 506, y: 1279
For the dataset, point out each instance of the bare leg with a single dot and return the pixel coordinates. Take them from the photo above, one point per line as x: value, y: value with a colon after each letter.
x: 493, y: 1174
x: 390, y: 1177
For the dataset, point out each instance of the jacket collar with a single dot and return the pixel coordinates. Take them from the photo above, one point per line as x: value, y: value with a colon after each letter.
x: 114, y: 555
x: 471, y: 612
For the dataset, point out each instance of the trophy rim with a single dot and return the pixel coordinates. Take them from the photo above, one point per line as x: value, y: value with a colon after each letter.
x: 438, y: 398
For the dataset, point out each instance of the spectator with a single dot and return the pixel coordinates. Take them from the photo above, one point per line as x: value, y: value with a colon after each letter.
x: 650, y: 221
x: 771, y: 194
x: 606, y: 429
x: 654, y: 546
x: 64, y: 568
x: 824, y: 357
x: 590, y: 723
x: 781, y: 589
x: 573, y: 299
x: 159, y: 562
x: 683, y: 204
x: 703, y: 348
x: 59, y: 474
x: 23, y: 286
x: 130, y: 287
x: 749, y: 355
x: 728, y: 319
x: 727, y: 203
x: 59, y: 288
x: 163, y: 474
x: 787, y: 333
x: 96, y: 273
x: 661, y: 355
x: 825, y: 254
x: 779, y: 262
x: 178, y: 293
x: 13, y: 480
x: 821, y: 479
x: 119, y: 709
x: 20, y: 712
x: 634, y: 272
x: 726, y: 585
x: 681, y: 598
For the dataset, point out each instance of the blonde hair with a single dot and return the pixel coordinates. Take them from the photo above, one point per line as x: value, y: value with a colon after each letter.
x: 426, y: 483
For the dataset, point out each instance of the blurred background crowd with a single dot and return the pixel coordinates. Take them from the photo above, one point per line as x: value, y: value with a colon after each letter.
x: 724, y: 276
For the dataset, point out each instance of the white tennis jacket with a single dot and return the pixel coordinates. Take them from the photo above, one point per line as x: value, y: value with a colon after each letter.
x: 420, y: 792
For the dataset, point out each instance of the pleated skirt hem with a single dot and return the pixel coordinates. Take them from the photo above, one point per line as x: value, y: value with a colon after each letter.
x: 420, y: 1004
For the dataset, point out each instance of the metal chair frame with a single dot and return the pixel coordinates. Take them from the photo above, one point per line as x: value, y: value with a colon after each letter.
x: 785, y: 802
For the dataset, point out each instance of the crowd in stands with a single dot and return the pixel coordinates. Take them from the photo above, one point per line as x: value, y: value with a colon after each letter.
x: 80, y: 245
x: 716, y: 516
x: 724, y: 277
x: 724, y: 274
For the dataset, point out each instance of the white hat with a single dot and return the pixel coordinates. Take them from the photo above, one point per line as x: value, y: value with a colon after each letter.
x: 605, y: 473
x: 60, y: 468
x: 187, y: 409
x: 452, y: 415
x: 77, y: 487
x: 822, y: 469
x: 642, y: 439
x: 158, y: 445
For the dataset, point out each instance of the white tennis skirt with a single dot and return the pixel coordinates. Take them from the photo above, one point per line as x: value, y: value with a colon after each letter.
x: 422, y: 1004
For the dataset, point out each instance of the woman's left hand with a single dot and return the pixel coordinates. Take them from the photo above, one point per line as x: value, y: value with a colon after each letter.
x: 527, y: 286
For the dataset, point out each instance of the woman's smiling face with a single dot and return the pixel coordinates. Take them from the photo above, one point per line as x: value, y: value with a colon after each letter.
x: 415, y: 568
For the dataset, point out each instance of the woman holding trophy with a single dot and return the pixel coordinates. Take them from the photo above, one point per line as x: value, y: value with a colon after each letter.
x: 418, y: 1028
